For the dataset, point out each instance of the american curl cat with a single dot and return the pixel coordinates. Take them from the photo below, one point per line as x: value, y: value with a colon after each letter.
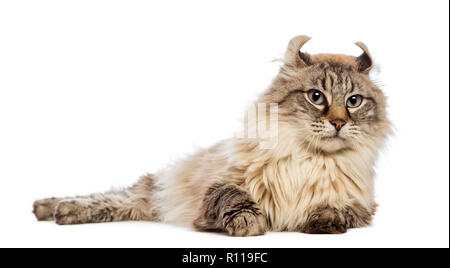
x: 316, y: 176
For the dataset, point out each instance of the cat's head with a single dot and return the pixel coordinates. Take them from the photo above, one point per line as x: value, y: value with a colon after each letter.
x: 329, y: 100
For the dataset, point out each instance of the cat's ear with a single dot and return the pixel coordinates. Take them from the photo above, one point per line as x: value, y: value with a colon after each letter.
x: 293, y: 57
x: 364, y: 61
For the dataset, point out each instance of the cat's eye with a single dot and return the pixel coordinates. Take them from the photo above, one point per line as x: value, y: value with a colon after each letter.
x: 316, y: 97
x: 354, y: 101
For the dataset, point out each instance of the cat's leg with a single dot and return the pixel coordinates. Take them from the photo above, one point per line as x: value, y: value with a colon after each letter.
x: 133, y: 203
x: 229, y: 208
x: 325, y: 220
x: 330, y: 220
x: 44, y: 209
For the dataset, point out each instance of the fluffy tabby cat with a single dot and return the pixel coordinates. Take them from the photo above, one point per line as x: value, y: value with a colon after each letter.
x: 316, y: 178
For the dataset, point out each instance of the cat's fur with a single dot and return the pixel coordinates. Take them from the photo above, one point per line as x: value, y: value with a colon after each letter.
x: 308, y: 180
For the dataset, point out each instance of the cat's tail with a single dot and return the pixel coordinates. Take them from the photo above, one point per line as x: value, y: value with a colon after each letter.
x: 131, y: 204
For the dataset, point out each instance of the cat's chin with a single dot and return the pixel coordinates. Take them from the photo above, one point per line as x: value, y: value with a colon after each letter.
x: 332, y: 144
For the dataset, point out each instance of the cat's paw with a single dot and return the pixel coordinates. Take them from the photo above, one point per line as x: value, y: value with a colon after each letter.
x: 70, y: 212
x: 325, y: 221
x: 44, y: 209
x: 246, y: 223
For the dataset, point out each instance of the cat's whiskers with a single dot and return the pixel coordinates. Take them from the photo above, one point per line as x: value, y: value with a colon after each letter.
x: 318, y: 149
x: 311, y: 141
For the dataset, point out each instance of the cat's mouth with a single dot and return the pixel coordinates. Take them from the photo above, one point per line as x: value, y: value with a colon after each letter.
x: 333, y: 137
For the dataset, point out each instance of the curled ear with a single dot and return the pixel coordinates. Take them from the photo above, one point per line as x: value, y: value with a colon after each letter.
x: 364, y: 61
x: 293, y: 56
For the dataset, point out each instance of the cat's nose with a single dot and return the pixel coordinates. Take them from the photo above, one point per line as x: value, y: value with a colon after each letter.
x: 338, y: 123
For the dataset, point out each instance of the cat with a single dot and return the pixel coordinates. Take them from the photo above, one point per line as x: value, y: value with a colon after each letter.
x: 315, y: 176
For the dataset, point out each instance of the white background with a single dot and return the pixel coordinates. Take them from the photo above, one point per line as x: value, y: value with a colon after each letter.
x: 95, y: 93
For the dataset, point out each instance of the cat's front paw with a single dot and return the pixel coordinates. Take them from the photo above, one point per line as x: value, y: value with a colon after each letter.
x: 246, y: 224
x: 325, y: 220
x: 70, y: 212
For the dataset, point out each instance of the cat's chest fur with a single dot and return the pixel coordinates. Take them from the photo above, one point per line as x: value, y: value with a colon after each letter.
x: 289, y: 187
